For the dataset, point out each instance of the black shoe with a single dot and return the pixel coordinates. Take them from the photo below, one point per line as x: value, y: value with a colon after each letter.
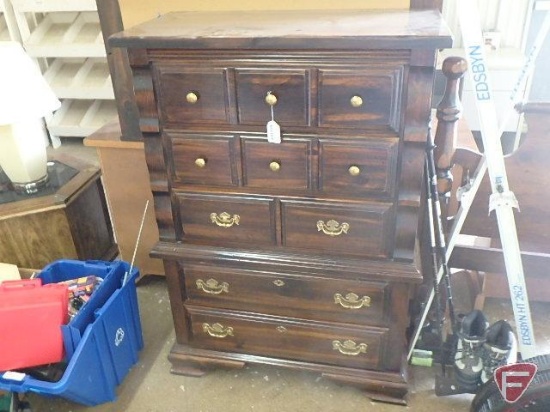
x: 468, y: 362
x: 499, y: 348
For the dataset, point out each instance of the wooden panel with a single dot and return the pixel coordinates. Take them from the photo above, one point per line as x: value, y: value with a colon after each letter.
x: 290, y: 87
x: 90, y: 224
x: 276, y: 166
x: 127, y: 189
x: 368, y: 168
x: 289, y: 295
x: 338, y: 228
x: 230, y: 219
x: 145, y: 100
x: 203, y: 160
x: 378, y: 91
x: 290, y: 339
x: 191, y: 95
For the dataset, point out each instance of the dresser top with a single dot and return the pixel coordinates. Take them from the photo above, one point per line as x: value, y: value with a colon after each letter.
x: 311, y: 29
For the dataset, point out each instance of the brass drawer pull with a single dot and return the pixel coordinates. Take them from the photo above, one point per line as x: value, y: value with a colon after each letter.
x: 217, y: 330
x: 200, y: 162
x: 275, y: 166
x: 332, y: 227
x: 224, y: 219
x: 281, y: 329
x: 212, y: 286
x: 278, y: 282
x: 271, y: 99
x: 192, y: 97
x: 354, y: 170
x: 356, y: 101
x: 351, y: 301
x: 349, y: 347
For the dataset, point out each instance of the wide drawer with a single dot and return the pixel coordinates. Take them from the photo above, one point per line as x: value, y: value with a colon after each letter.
x: 358, y: 169
x: 360, y: 98
x: 323, y: 299
x: 328, y: 227
x: 227, y: 219
x: 286, y: 338
x: 204, y: 160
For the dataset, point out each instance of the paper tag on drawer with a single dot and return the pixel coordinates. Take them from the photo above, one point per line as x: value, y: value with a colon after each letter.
x: 273, y: 132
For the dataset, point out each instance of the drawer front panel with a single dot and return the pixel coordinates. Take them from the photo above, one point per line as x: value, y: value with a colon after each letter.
x: 192, y: 95
x: 284, y: 165
x: 288, y: 90
x: 359, y: 169
x: 336, y: 300
x: 355, y: 99
x: 320, y: 343
x: 202, y: 160
x: 227, y: 219
x: 329, y: 227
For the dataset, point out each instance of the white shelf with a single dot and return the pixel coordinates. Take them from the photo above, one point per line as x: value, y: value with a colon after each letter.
x: 80, y: 118
x: 80, y: 79
x: 4, y: 32
x: 44, y: 6
x: 67, y: 35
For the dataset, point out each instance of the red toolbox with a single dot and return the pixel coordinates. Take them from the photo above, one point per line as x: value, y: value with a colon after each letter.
x: 31, y: 316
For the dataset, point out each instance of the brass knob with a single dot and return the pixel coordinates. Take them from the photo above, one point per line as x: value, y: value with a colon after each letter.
x: 200, y: 162
x: 271, y: 99
x: 354, y: 170
x: 356, y: 101
x: 192, y: 97
x: 275, y: 166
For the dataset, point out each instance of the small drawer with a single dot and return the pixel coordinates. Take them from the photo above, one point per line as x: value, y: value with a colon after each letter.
x: 327, y: 227
x: 227, y: 219
x: 359, y: 169
x: 261, y: 90
x: 353, y: 98
x: 277, y: 166
x: 192, y: 95
x: 201, y: 160
x: 322, y: 299
x: 290, y: 339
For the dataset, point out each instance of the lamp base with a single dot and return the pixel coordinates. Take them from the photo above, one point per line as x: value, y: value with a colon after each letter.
x: 29, y: 188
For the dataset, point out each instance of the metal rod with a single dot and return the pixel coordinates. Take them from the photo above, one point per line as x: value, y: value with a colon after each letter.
x: 137, y: 244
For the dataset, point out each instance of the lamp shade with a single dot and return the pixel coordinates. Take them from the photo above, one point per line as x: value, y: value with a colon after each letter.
x: 24, y: 93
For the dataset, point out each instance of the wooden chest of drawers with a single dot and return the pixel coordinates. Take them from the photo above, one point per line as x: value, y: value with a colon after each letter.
x: 300, y: 253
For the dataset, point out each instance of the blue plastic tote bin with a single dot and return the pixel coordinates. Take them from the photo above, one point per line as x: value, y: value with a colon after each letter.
x: 101, y: 342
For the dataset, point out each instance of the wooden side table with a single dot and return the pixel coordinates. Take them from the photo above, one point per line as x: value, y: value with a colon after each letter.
x: 127, y: 187
x: 68, y: 220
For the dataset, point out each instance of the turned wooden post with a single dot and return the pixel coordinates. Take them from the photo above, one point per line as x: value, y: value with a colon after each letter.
x: 449, y: 111
x: 110, y: 19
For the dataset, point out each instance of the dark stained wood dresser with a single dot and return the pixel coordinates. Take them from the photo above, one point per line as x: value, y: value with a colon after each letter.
x: 299, y: 254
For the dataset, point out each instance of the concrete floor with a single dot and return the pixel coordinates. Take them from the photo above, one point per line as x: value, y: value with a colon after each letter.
x: 150, y: 387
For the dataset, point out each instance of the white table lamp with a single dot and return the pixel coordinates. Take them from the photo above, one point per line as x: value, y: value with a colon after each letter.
x: 25, y: 98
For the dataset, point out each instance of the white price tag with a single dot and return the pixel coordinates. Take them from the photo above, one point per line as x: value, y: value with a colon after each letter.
x: 273, y: 132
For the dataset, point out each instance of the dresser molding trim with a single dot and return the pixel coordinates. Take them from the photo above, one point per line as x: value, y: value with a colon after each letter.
x: 393, y: 271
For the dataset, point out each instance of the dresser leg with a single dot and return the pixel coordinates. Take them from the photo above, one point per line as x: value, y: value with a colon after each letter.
x: 383, y: 391
x: 192, y: 362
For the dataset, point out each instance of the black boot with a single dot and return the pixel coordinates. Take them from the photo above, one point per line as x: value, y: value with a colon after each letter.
x: 499, y: 348
x: 468, y: 360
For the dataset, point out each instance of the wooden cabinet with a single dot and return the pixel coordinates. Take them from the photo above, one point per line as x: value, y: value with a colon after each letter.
x: 69, y: 219
x: 299, y: 254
